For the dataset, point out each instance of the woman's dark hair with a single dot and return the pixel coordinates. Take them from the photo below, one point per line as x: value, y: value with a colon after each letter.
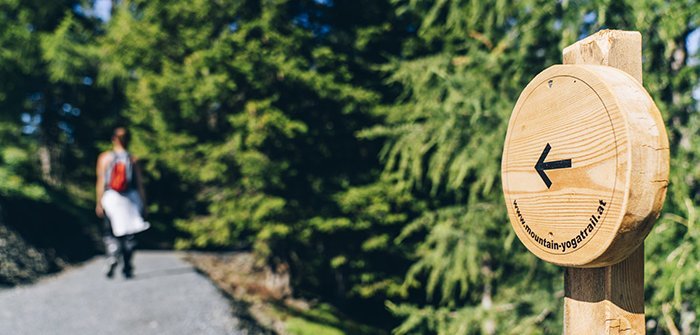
x: 121, y: 134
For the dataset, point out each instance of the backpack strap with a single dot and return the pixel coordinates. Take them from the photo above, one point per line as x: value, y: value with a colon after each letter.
x: 129, y: 169
x: 109, y: 168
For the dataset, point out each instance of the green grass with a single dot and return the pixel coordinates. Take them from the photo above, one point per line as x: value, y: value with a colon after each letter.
x: 301, y: 326
x: 322, y: 319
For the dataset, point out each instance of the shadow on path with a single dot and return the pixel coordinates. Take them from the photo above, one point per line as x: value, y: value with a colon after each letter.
x: 163, y: 273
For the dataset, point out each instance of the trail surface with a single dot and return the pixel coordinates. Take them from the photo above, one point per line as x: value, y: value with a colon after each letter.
x: 165, y: 296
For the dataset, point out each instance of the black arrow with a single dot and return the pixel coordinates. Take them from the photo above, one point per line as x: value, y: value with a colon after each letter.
x: 542, y: 165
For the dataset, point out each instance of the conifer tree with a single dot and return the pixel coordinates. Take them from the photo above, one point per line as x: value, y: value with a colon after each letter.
x: 247, y: 113
x: 48, y: 68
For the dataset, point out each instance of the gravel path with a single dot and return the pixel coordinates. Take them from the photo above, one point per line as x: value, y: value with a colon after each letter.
x: 166, y: 296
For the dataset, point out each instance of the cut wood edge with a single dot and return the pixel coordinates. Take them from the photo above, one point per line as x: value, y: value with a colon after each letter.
x: 648, y: 155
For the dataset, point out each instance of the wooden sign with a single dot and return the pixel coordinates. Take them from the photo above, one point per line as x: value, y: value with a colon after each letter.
x: 585, y: 165
x: 585, y: 171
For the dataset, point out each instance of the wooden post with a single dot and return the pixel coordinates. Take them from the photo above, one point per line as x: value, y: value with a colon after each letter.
x: 608, y: 300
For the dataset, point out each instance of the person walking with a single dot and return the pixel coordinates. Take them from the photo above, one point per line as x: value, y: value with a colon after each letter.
x: 120, y: 202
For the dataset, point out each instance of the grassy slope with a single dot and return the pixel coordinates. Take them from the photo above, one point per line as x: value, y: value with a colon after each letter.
x: 237, y: 276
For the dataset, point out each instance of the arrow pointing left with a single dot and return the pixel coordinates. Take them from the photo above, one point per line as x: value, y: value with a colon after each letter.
x: 541, y: 165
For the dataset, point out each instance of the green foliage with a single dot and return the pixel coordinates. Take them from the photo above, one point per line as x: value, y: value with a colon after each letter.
x: 258, y: 132
x: 16, y: 179
x: 68, y: 51
x: 372, y: 216
x: 46, y: 57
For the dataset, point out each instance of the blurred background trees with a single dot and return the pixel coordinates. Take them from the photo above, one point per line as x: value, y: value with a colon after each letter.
x: 358, y: 142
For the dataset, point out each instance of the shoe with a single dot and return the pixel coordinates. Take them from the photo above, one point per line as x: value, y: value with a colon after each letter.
x: 110, y: 270
x: 128, y: 274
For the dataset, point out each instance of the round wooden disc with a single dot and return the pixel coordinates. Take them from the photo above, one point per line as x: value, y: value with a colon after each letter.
x: 585, y: 165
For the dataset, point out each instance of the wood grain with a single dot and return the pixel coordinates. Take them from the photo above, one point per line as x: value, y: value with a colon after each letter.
x: 597, y: 117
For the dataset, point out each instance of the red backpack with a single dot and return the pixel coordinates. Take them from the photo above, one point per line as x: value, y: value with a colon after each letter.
x: 119, y: 172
